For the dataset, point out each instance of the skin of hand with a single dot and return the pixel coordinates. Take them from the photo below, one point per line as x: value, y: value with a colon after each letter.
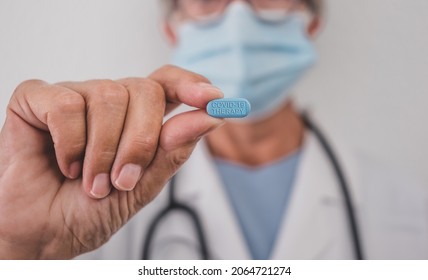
x: 79, y: 159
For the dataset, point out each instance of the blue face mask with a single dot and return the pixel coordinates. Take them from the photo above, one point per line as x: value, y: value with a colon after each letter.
x: 248, y: 57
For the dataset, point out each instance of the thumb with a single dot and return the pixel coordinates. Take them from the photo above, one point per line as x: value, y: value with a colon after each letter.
x: 186, y: 129
x: 178, y: 138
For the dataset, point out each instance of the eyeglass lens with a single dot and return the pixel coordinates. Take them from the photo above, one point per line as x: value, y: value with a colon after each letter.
x: 205, y: 8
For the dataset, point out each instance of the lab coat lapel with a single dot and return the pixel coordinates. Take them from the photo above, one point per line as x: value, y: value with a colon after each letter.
x: 306, y: 230
x: 314, y: 225
x: 206, y: 193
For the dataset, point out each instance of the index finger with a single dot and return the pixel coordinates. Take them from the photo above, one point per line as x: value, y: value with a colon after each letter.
x: 182, y: 86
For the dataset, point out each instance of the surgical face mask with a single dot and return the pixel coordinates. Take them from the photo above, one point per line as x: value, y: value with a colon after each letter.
x: 248, y: 57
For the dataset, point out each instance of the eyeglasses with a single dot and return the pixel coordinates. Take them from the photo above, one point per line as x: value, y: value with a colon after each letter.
x: 208, y: 9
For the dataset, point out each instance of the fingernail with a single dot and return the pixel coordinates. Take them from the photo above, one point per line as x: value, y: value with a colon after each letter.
x: 212, y: 89
x: 128, y: 177
x: 74, y: 170
x: 101, y: 185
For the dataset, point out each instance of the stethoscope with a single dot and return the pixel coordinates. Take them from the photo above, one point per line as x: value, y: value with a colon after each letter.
x: 175, y: 205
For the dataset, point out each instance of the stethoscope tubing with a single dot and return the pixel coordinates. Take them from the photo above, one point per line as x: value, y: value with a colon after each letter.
x: 344, y: 186
x: 174, y: 205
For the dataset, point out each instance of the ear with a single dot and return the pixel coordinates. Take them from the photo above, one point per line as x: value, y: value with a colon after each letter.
x: 170, y: 33
x: 314, y: 26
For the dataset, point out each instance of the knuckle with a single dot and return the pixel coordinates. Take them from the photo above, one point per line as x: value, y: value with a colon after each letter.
x: 28, y: 84
x: 198, y: 78
x: 106, y: 155
x: 70, y: 102
x: 77, y: 147
x: 73, y: 151
x: 146, y: 142
x: 179, y: 158
x: 167, y: 68
x: 108, y: 90
x: 149, y: 85
x: 146, y: 146
x: 152, y: 89
x: 147, y: 89
x: 185, y: 74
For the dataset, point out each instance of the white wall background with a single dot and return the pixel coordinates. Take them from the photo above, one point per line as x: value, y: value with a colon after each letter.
x: 370, y: 86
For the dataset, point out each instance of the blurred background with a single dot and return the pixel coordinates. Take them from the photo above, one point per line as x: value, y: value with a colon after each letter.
x: 369, y: 88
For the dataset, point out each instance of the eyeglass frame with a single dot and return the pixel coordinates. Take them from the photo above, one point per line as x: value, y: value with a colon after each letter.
x: 176, y: 7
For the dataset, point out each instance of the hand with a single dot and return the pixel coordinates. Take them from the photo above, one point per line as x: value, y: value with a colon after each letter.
x: 78, y: 160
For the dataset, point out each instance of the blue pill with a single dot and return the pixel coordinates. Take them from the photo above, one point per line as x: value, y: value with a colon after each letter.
x: 229, y: 108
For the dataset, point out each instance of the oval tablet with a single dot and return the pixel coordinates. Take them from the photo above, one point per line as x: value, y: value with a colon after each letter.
x: 229, y: 108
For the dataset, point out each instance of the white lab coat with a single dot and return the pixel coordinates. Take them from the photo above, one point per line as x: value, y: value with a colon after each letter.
x: 392, y: 215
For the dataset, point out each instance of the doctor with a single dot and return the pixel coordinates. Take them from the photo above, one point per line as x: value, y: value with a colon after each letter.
x: 264, y: 187
x: 79, y: 160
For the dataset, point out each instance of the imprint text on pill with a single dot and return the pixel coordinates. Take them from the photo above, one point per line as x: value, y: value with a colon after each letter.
x: 229, y: 108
